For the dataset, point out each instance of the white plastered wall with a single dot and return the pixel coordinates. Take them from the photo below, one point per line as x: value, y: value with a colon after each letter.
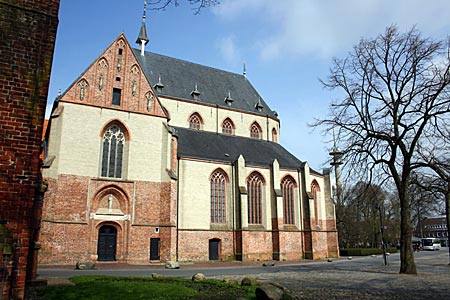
x: 212, y: 117
x: 80, y: 142
x: 309, y: 178
x: 194, y: 193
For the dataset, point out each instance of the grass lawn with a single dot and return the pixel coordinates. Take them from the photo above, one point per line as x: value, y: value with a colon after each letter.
x: 139, y: 288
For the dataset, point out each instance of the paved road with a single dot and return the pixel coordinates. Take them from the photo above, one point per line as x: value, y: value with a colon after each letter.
x: 359, y: 278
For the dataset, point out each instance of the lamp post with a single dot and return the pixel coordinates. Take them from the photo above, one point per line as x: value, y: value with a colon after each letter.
x: 336, y: 154
x: 379, y: 207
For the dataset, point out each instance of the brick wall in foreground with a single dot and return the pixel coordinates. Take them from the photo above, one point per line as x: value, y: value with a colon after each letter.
x: 28, y: 31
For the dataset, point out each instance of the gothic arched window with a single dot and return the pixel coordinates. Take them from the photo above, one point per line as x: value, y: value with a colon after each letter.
x: 218, y: 198
x: 287, y: 191
x: 315, y: 190
x: 227, y: 127
x: 113, y: 145
x: 274, y: 135
x: 254, y: 194
x: 255, y: 131
x: 195, y: 121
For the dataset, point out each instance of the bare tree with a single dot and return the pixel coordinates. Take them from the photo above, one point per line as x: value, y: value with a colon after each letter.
x: 358, y: 216
x: 393, y: 87
x: 437, y: 159
x: 198, y: 5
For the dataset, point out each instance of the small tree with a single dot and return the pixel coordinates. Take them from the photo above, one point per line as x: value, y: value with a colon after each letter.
x: 393, y: 87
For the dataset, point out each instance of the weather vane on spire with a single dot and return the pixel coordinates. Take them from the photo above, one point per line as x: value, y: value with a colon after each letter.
x: 145, y: 10
x: 142, y: 38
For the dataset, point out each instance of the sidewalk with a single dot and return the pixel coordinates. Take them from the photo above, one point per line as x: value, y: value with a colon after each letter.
x: 184, y: 265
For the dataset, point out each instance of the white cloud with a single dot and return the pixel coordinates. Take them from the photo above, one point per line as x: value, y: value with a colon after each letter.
x: 328, y: 27
x: 227, y: 47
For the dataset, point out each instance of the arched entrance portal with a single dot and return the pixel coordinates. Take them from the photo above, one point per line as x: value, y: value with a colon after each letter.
x: 106, y: 247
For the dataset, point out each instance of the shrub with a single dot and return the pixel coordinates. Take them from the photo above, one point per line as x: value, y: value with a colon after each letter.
x: 365, y: 251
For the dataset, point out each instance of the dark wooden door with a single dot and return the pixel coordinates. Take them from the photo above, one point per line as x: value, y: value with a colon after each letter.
x: 154, y: 249
x: 214, y: 246
x: 106, y: 247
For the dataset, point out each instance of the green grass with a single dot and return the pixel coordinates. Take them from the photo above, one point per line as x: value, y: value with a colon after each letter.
x: 139, y: 288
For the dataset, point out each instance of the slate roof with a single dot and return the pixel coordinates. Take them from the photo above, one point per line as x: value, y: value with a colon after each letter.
x: 179, y: 78
x: 226, y: 148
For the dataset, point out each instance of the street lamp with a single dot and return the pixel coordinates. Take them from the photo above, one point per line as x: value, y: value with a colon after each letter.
x: 383, y: 241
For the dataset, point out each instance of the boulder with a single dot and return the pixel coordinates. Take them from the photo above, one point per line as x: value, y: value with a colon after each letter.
x: 249, y: 281
x: 172, y: 265
x: 85, y: 266
x: 156, y: 275
x: 198, y: 277
x: 271, y: 291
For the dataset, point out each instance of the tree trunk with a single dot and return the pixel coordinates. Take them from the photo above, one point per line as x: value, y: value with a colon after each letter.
x: 447, y: 216
x: 407, y: 263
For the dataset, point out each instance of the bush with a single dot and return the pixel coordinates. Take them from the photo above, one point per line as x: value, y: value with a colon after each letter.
x: 365, y: 251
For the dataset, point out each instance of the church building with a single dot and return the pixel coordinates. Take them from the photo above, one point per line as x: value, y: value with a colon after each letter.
x: 151, y: 158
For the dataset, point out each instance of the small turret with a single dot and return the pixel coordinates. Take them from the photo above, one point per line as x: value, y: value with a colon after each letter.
x: 143, y: 38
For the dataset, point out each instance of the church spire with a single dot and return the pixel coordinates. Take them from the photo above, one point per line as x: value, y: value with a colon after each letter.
x: 142, y: 38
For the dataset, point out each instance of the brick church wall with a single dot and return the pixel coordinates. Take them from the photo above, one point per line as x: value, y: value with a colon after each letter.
x: 71, y: 200
x: 193, y: 245
x: 257, y: 245
x: 290, y: 245
x: 28, y: 31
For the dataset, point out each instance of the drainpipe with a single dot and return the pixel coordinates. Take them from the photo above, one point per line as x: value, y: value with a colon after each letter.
x: 302, y: 240
x: 233, y: 197
x: 217, y: 118
x: 178, y: 206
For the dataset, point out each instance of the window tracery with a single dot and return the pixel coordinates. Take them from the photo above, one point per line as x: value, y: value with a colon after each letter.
x: 255, y: 131
x: 287, y: 191
x: 228, y: 127
x: 113, y: 144
x: 218, y: 197
x: 315, y: 189
x: 254, y: 193
x: 195, y: 121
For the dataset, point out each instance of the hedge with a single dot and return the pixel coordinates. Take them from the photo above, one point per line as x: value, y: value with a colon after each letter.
x: 364, y: 251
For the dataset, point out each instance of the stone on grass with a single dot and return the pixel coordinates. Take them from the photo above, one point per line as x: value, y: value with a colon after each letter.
x: 172, y: 265
x: 85, y: 266
x: 230, y: 280
x: 198, y: 277
x: 156, y: 275
x: 249, y: 281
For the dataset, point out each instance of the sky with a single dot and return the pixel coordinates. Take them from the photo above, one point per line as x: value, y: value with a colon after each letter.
x: 287, y: 46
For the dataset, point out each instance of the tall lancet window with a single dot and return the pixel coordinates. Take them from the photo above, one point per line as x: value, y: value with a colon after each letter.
x: 113, y: 152
x: 218, y: 190
x: 287, y: 190
x: 254, y: 201
x: 315, y: 190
